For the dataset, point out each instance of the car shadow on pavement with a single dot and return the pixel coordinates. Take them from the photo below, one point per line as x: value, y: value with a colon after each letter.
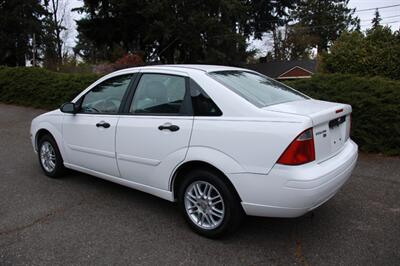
x: 252, y: 227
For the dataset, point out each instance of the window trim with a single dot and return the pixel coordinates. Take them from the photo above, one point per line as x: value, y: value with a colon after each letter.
x: 186, y: 109
x: 123, y: 100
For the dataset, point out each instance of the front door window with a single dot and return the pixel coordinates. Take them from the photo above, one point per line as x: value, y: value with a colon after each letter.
x: 106, y: 97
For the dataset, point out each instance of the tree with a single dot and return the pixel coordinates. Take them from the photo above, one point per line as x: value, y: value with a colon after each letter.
x: 376, y: 20
x: 55, y: 32
x: 176, y: 31
x: 20, y: 20
x: 290, y: 42
x: 376, y: 53
x: 105, y: 29
x: 87, y: 50
x: 325, y: 20
x: 280, y: 52
x: 299, y: 43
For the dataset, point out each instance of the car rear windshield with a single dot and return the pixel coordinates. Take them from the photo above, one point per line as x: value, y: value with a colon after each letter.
x: 256, y: 88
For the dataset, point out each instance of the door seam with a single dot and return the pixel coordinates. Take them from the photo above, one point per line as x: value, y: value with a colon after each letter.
x: 115, y: 146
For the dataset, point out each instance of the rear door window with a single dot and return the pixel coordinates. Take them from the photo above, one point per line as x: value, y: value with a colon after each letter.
x: 159, y: 94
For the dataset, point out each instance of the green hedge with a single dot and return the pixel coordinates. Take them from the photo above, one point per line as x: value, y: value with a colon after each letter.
x: 375, y: 102
x: 40, y: 88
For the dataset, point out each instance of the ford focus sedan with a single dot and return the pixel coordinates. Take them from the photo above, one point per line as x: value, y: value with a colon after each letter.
x: 220, y: 141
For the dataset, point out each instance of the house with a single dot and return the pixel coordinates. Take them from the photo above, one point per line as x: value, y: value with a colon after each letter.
x: 282, y: 70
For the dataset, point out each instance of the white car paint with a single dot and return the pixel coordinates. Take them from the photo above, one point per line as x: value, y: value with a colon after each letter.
x: 97, y: 145
x: 145, y: 154
x: 244, y: 144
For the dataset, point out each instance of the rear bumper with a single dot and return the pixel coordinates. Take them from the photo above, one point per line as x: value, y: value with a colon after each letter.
x: 291, y: 191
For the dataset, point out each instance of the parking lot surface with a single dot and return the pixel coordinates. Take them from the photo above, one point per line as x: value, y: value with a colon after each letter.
x: 83, y: 220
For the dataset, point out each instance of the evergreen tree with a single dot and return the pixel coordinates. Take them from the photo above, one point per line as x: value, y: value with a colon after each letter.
x: 376, y: 21
x: 176, y: 31
x: 20, y: 20
x: 325, y: 20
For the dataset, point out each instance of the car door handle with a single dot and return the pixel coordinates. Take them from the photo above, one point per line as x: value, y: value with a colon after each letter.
x: 172, y: 128
x: 103, y: 124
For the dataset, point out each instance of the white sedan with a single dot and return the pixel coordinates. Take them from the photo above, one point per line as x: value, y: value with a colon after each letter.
x: 221, y: 141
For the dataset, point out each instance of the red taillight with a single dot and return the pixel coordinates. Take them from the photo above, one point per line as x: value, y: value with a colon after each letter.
x: 350, y: 126
x: 300, y: 151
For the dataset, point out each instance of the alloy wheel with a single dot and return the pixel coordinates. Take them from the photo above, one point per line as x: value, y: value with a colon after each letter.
x: 204, y: 205
x: 48, y: 156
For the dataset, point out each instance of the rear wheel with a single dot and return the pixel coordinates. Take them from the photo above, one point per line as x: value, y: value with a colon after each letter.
x: 208, y: 204
x: 49, y: 157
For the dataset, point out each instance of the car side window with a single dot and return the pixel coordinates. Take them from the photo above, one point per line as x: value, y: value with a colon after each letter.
x: 203, y: 105
x: 106, y: 97
x: 159, y: 94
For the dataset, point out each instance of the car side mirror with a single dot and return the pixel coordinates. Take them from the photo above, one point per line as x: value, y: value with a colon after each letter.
x: 68, y: 108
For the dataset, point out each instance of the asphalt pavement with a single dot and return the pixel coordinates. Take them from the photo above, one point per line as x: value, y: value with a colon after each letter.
x: 83, y: 220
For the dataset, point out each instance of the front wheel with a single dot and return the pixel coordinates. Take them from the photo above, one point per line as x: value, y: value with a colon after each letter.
x: 209, y: 205
x: 49, y: 157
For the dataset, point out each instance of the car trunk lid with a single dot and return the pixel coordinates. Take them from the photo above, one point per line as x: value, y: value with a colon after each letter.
x: 331, y: 123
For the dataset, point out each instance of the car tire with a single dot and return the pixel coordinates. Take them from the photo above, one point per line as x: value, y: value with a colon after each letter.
x: 206, y: 213
x: 50, y: 158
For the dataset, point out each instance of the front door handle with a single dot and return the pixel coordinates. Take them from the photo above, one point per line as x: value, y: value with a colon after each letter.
x: 172, y: 128
x: 103, y: 124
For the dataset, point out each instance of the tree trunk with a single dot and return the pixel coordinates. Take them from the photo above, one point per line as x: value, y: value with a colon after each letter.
x: 57, y: 25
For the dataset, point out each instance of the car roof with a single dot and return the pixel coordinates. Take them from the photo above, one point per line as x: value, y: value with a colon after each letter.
x: 189, y: 67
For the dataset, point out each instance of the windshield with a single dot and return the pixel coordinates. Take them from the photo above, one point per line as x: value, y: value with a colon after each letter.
x: 256, y: 88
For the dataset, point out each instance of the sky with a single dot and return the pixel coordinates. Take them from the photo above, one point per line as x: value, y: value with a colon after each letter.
x: 390, y: 16
x: 72, y: 33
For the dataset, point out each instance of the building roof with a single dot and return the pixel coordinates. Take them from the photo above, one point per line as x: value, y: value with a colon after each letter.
x: 274, y: 69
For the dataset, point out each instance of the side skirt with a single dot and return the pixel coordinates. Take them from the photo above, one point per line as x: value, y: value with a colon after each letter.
x: 164, y: 194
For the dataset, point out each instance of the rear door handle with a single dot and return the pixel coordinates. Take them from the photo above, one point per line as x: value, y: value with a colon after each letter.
x: 103, y: 124
x: 172, y: 128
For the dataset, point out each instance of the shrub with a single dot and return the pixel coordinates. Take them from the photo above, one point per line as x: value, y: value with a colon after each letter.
x: 40, y: 88
x: 375, y: 102
x: 128, y: 60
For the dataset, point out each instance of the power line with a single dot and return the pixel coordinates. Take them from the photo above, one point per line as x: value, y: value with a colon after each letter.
x: 361, y: 25
x: 395, y: 16
x: 288, y: 19
x: 299, y: 28
x: 375, y: 8
x: 391, y: 22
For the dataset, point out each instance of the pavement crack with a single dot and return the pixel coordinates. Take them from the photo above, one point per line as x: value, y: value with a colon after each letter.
x: 299, y: 254
x: 39, y: 220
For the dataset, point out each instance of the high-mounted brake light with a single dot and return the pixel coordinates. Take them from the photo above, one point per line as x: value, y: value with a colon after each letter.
x: 300, y: 151
x: 339, y: 111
